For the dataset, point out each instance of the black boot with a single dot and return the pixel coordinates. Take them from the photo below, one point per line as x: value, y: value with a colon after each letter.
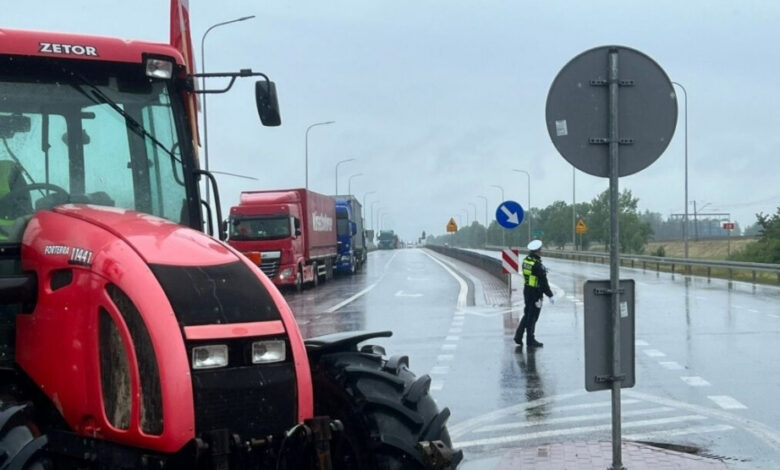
x: 532, y: 343
x: 519, y: 336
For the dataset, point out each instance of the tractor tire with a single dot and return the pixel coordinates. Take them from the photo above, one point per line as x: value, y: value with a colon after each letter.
x: 21, y: 443
x: 386, y: 412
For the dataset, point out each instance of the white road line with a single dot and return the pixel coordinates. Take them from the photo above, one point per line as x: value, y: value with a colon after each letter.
x: 671, y: 365
x: 457, y: 322
x: 571, y: 419
x: 726, y: 402
x: 364, y: 291
x: 773, y: 315
x: 452, y: 338
x: 436, y: 385
x: 576, y: 430
x: 351, y: 299
x: 449, y: 347
x: 583, y: 406
x: 695, y: 381
x: 752, y: 310
x: 440, y: 370
x: 464, y: 288
x: 677, y: 432
x: 445, y: 357
x: 455, y: 331
x: 640, y: 342
x: 653, y: 353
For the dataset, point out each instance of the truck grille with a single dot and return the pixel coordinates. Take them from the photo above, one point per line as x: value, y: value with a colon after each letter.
x: 250, y: 401
x: 270, y: 267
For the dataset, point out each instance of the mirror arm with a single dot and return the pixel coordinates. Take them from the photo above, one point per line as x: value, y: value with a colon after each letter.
x: 232, y: 75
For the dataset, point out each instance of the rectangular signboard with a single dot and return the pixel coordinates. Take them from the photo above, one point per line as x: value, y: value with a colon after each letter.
x: 598, y: 334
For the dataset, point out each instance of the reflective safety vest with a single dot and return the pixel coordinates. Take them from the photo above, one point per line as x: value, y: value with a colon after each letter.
x: 530, y: 279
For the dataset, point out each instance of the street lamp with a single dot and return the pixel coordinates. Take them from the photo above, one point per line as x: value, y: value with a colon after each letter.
x: 475, y: 210
x: 337, y: 171
x: 307, y: 147
x: 486, y: 218
x: 685, y: 217
x: 529, y: 202
x: 363, y: 206
x: 503, y: 232
x: 467, y: 216
x: 203, y: 95
x: 373, y: 227
x: 349, y: 182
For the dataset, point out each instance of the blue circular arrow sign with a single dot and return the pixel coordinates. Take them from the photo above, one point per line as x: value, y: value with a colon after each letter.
x: 509, y: 214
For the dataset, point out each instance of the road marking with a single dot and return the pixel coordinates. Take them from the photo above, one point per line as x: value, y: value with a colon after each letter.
x: 653, y: 353
x: 677, y: 432
x: 449, y: 347
x: 752, y: 310
x: 440, y: 370
x: 726, y: 402
x: 464, y: 288
x: 351, y: 299
x: 445, y: 357
x: 452, y: 338
x: 401, y: 293
x: 640, y: 342
x: 455, y: 331
x: 576, y: 430
x: 436, y: 385
x: 773, y: 315
x: 695, y: 381
x: 364, y: 291
x: 592, y: 405
x: 457, y: 322
x: 571, y: 419
x: 417, y: 279
x: 671, y: 365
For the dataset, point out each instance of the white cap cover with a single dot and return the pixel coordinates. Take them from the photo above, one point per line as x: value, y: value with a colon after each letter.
x: 535, y: 245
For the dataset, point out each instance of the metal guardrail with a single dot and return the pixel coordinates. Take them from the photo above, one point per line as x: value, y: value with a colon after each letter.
x: 493, y: 265
x: 644, y: 261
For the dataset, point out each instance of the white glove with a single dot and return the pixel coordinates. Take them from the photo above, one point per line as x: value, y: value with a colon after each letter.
x: 552, y: 300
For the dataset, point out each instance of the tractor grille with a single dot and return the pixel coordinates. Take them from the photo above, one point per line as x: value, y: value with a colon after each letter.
x: 251, y: 401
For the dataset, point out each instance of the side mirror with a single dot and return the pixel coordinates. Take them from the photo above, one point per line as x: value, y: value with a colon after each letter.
x: 267, y: 103
x: 297, y: 226
x: 225, y: 226
x: 353, y: 228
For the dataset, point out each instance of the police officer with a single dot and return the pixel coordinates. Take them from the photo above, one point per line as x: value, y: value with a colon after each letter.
x: 536, y: 286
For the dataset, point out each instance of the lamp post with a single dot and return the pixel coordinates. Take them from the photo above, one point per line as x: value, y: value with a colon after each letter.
x: 306, y: 170
x: 337, y: 171
x: 467, y: 216
x: 685, y: 217
x: 349, y: 182
x: 573, y: 210
x: 529, y: 201
x: 203, y: 96
x: 503, y: 231
x: 486, y: 218
x: 363, y: 206
x: 373, y: 226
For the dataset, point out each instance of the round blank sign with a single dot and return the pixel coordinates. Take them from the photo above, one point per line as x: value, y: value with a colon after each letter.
x: 578, y: 111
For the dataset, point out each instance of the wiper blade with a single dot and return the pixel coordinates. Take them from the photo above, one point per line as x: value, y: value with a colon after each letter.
x: 130, y: 121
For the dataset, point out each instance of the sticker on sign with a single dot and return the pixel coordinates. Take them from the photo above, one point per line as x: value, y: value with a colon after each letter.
x: 560, y: 128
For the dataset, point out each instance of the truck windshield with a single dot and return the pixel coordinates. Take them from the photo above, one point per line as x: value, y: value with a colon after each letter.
x: 73, y: 132
x: 259, y: 228
x: 342, y: 224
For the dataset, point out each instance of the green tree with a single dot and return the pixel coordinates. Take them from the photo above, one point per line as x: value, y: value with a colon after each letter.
x: 634, y: 233
x: 767, y: 248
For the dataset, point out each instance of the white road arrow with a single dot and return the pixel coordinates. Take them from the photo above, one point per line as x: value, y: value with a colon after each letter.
x: 511, y: 216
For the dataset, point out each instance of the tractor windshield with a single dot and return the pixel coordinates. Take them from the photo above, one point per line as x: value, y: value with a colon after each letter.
x: 95, y: 133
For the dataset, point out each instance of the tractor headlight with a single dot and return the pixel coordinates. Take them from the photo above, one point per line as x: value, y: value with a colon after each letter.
x: 159, y: 68
x: 209, y: 357
x: 265, y: 352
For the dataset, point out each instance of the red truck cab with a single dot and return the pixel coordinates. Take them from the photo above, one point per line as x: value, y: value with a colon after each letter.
x: 291, y: 234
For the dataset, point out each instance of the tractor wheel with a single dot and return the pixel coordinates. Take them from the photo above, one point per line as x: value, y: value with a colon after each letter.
x: 387, y: 413
x: 21, y: 443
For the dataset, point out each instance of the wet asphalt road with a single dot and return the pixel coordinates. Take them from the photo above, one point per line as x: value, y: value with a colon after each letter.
x: 707, y: 356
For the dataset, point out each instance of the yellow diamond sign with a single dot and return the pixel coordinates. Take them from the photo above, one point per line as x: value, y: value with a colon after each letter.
x: 452, y: 226
x: 581, y: 228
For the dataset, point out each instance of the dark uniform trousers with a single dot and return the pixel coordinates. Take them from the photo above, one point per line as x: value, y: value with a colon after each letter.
x: 532, y: 297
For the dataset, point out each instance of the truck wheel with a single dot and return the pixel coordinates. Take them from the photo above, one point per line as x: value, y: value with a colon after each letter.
x: 386, y: 412
x: 316, y: 281
x: 299, y: 281
x: 21, y: 443
x: 353, y: 266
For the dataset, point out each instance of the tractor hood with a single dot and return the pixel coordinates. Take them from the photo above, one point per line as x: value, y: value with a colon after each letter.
x: 156, y: 240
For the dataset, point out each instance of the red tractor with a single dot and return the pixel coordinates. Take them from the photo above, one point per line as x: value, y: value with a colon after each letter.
x: 127, y: 339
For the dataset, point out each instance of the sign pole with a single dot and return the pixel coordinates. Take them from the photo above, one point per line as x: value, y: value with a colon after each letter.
x: 614, y: 257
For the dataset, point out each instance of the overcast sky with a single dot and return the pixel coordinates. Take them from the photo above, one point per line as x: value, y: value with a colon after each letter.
x: 439, y: 100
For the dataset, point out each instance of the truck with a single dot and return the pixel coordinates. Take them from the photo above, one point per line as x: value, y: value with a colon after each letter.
x: 292, y: 232
x: 388, y: 240
x: 353, y: 252
x: 129, y: 338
